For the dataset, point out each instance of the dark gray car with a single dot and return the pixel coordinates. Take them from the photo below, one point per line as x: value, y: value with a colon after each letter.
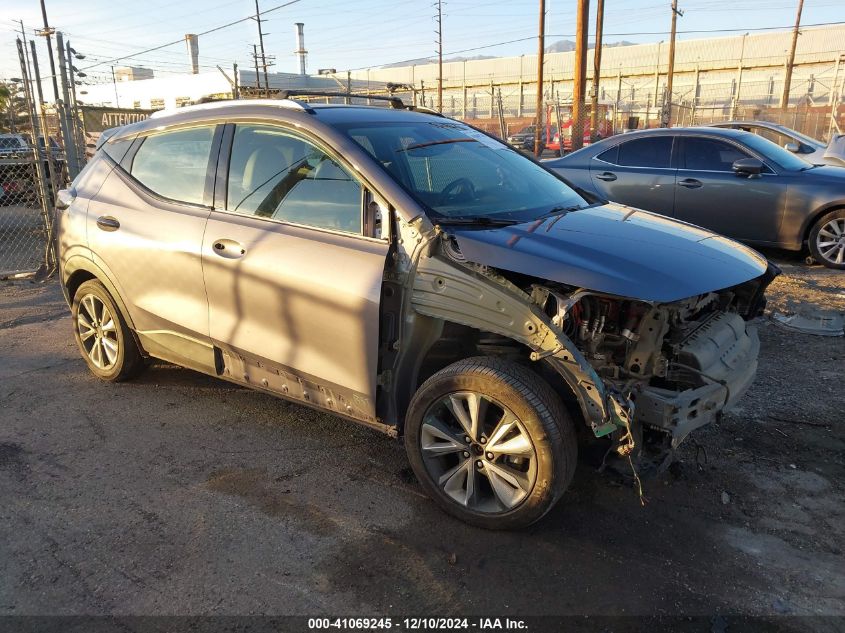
x: 730, y: 181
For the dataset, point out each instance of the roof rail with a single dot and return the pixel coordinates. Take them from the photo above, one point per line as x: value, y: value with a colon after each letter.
x: 395, y: 102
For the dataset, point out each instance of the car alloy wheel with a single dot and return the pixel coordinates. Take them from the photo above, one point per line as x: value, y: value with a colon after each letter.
x: 98, y: 332
x: 830, y: 241
x: 478, y: 452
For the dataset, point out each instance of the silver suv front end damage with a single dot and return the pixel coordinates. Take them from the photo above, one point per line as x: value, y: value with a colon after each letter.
x: 644, y: 367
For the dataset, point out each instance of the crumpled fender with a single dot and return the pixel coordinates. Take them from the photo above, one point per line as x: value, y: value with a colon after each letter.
x: 484, y: 300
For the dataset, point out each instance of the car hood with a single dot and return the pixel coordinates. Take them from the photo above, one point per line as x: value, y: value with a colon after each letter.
x: 617, y: 250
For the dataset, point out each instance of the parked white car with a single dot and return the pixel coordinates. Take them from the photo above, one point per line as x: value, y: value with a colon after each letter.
x: 810, y: 149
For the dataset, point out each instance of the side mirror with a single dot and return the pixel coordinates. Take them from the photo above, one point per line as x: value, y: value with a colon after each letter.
x: 747, y: 167
x: 792, y: 147
x: 64, y: 198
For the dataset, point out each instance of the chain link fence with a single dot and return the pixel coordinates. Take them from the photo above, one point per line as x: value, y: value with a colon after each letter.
x: 36, y: 138
x: 29, y: 179
x: 23, y: 233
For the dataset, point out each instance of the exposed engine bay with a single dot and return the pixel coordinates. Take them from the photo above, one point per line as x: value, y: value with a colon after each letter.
x: 679, y: 364
x: 662, y: 369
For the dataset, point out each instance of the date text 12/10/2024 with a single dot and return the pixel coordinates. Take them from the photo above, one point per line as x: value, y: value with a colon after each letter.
x: 417, y: 624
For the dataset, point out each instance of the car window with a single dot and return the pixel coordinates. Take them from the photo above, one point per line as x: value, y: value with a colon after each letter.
x: 174, y: 164
x: 655, y: 151
x: 774, y: 153
x: 774, y: 137
x: 456, y: 171
x: 646, y: 152
x: 275, y: 174
x: 116, y: 148
x: 707, y: 154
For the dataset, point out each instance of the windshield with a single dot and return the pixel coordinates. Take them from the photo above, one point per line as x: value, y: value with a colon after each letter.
x: 775, y: 152
x: 809, y: 140
x: 456, y: 171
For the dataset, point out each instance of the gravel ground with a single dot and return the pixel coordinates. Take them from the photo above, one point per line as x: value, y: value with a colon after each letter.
x: 181, y: 494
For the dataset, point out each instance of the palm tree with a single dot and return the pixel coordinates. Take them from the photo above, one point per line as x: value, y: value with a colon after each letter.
x: 5, y: 99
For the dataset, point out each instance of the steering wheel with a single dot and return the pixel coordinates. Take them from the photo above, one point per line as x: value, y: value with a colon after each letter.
x: 459, y: 190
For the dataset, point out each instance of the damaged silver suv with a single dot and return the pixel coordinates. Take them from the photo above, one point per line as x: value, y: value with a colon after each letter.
x: 408, y: 272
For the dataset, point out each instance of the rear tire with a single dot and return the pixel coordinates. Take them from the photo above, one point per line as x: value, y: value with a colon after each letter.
x: 491, y: 443
x: 102, y: 335
x: 827, y: 240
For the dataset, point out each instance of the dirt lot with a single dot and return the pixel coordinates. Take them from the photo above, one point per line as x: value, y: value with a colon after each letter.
x: 180, y: 494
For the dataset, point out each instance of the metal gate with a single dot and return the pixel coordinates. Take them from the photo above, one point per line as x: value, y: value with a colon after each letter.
x: 24, y: 222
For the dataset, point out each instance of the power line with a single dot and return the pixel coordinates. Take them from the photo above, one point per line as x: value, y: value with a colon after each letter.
x: 630, y: 34
x: 217, y: 28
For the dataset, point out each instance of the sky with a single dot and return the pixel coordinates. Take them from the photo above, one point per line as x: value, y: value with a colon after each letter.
x: 346, y: 34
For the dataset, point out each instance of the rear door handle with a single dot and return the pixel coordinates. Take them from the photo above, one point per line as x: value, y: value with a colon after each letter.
x: 107, y: 223
x: 690, y: 183
x: 606, y: 176
x: 230, y: 249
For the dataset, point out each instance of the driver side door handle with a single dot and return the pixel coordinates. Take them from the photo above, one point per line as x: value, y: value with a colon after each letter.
x: 690, y: 183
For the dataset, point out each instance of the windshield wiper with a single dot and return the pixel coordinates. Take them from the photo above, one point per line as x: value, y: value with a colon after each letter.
x: 480, y: 220
x: 556, y: 211
x: 441, y: 142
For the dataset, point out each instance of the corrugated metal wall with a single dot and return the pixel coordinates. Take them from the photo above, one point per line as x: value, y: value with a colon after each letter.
x: 706, y: 74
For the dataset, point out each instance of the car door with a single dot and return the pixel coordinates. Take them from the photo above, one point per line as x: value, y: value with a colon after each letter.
x: 293, y: 279
x: 637, y: 172
x: 145, y: 227
x: 711, y: 195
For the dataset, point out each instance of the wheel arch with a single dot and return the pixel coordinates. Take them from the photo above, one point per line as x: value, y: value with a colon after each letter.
x: 816, y: 215
x: 78, y: 270
x: 482, y: 300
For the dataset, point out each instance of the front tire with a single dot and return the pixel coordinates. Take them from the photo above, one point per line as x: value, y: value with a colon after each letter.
x: 491, y: 443
x: 827, y: 240
x: 102, y: 335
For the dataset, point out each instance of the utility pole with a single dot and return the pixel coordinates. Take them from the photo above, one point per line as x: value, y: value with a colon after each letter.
x: 26, y: 58
x: 581, y: 35
x: 47, y: 31
x: 257, y: 76
x: 78, y: 132
x: 594, y: 110
x: 787, y: 80
x: 41, y: 159
x: 68, y: 125
x: 439, y: 55
x: 114, y: 83
x: 541, y: 49
x: 236, y: 93
x: 666, y: 115
x: 261, y: 43
x: 37, y: 72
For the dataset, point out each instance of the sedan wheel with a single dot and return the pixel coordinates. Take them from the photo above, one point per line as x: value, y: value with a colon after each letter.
x: 827, y: 240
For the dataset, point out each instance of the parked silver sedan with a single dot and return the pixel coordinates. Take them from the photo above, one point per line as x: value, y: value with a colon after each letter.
x: 810, y: 149
x: 729, y: 181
